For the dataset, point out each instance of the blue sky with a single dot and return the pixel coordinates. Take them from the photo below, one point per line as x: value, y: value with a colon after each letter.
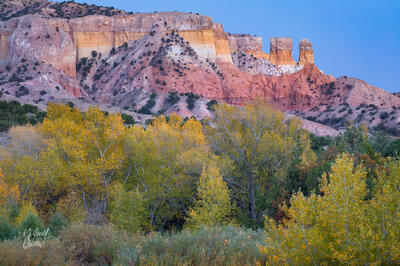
x: 359, y: 38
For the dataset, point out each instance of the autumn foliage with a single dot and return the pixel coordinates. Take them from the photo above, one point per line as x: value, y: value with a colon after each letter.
x: 319, y: 200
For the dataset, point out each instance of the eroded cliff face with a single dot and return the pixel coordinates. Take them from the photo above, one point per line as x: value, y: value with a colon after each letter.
x: 76, y: 38
x: 51, y: 51
x: 207, y: 61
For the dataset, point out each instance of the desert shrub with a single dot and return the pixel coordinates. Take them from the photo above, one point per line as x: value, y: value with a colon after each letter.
x: 226, y: 245
x: 7, y: 230
x: 57, y: 223
x: 91, y: 244
x: 5, y: 125
x: 128, y: 119
x: 393, y: 149
x: 330, y: 89
x: 146, y: 109
x: 384, y: 115
x: 173, y: 97
x: 13, y: 113
x: 191, y: 100
x: 210, y: 105
x: 22, y: 91
x: 311, y: 118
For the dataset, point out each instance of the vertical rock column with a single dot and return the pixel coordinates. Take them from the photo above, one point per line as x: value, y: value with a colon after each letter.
x: 306, y: 53
x: 281, y: 51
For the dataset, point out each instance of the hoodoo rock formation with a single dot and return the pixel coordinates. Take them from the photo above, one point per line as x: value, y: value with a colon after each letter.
x: 306, y: 53
x: 281, y: 51
x: 167, y: 62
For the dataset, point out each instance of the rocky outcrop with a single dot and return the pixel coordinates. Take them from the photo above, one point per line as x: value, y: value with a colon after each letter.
x: 306, y: 53
x: 352, y: 100
x: 247, y: 44
x: 281, y: 51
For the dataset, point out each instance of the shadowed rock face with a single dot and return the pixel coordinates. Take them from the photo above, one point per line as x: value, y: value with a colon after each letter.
x: 130, y: 60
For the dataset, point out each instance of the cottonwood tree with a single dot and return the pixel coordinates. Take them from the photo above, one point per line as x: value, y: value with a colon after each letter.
x: 213, y: 206
x: 30, y: 164
x: 25, y: 150
x: 90, y: 146
x: 127, y: 210
x: 164, y: 161
x: 260, y: 144
x: 8, y: 193
x: 340, y: 226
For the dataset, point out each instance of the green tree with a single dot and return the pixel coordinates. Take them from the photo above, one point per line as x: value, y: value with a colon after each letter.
x: 7, y: 230
x: 164, y: 161
x: 32, y: 222
x: 128, y: 211
x: 261, y: 145
x: 57, y: 223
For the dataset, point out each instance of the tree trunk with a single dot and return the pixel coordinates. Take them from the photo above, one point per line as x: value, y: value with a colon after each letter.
x: 94, y: 209
x: 252, y: 200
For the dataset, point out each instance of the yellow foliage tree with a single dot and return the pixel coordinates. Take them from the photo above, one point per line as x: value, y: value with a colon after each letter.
x: 164, y: 161
x: 7, y: 192
x: 21, y: 159
x: 383, y: 214
x: 90, y: 147
x: 213, y: 206
x: 340, y: 226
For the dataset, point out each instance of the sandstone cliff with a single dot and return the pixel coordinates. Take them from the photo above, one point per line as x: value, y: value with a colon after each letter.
x: 168, y: 62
